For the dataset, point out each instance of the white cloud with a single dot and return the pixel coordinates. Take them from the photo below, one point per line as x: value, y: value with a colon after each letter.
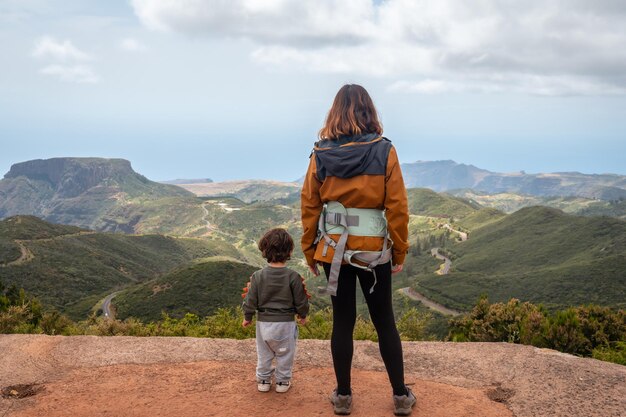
x: 68, y: 61
x: 72, y: 73
x: 49, y: 47
x: 283, y: 21
x: 540, y: 85
x: 538, y: 47
x: 132, y: 45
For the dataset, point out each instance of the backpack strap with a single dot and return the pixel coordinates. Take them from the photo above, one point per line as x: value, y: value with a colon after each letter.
x: 336, y: 215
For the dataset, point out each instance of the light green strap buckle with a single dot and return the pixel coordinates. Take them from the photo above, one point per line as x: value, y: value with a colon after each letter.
x: 361, y: 222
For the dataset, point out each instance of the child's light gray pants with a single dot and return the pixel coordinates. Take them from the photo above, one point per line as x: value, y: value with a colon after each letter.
x: 275, y: 340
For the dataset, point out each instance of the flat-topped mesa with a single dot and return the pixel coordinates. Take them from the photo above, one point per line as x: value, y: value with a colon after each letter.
x: 72, y: 176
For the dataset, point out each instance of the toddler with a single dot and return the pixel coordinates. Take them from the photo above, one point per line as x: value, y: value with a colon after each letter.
x: 277, y: 293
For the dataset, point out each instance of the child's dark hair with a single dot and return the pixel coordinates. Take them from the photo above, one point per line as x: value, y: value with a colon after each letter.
x: 276, y: 245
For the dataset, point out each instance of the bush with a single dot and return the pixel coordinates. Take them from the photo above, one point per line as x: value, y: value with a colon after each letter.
x: 54, y: 323
x: 320, y: 325
x: 412, y: 324
x: 564, y: 333
x: 587, y: 330
x: 513, y: 322
x: 612, y: 352
x: 17, y: 319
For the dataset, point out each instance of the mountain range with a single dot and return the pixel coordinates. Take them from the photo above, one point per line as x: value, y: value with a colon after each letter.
x: 449, y: 175
x: 538, y: 254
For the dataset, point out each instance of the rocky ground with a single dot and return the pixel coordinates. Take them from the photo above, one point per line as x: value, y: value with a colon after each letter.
x: 126, y: 376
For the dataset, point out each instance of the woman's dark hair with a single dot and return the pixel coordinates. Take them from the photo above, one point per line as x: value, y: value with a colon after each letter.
x: 352, y: 113
x: 276, y: 245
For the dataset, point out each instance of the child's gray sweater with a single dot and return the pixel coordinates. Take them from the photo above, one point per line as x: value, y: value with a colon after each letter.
x: 277, y: 294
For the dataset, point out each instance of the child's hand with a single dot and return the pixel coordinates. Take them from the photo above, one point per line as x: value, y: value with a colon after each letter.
x: 245, y: 323
x: 302, y: 320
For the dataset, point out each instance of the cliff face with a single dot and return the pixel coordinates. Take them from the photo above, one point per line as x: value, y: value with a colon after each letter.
x: 70, y: 177
x: 98, y: 193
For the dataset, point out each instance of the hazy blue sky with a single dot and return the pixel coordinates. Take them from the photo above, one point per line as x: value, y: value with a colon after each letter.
x: 238, y: 89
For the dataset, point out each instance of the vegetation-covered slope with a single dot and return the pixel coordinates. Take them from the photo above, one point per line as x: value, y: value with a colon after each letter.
x: 425, y: 202
x: 66, y: 266
x: 541, y: 255
x: 200, y: 289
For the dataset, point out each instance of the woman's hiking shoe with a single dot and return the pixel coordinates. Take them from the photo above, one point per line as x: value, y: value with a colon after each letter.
x: 264, y: 386
x: 403, y: 404
x: 341, y: 403
x: 283, y: 386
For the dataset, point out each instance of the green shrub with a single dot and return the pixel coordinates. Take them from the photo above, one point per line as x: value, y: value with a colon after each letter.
x: 513, y: 322
x: 54, y: 323
x: 613, y: 352
x: 587, y: 330
x: 412, y: 324
x: 16, y: 319
x: 319, y: 326
x: 564, y: 333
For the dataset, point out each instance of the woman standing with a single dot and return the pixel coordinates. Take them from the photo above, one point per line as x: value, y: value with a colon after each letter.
x: 355, y: 224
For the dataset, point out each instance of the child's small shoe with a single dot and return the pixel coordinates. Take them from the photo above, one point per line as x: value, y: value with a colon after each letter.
x: 264, y: 386
x: 283, y: 386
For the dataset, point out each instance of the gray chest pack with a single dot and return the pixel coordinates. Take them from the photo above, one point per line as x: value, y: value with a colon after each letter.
x: 337, y: 219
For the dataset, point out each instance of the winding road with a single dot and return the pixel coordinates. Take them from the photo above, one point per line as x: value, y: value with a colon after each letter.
x: 444, y: 269
x: 106, y: 306
x: 462, y: 235
x: 211, y: 228
x: 414, y: 295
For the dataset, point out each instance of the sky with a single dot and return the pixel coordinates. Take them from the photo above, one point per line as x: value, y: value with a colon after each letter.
x: 239, y: 89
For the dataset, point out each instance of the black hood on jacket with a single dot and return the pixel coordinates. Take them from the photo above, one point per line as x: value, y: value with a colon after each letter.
x: 363, y: 155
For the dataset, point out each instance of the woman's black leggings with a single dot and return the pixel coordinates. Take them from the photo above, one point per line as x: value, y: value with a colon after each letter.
x: 381, y: 313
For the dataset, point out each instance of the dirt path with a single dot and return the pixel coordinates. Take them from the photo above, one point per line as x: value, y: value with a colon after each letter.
x: 26, y: 255
x: 462, y: 235
x: 444, y: 269
x: 209, y: 226
x: 162, y: 376
x: 414, y: 295
x: 214, y: 229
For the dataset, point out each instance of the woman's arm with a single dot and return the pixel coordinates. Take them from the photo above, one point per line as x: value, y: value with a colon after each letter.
x: 397, y: 209
x: 311, y: 205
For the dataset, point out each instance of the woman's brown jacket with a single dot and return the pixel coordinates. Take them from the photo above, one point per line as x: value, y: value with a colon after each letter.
x: 360, y: 172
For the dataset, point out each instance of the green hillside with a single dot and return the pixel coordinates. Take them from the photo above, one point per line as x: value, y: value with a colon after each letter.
x: 200, y: 289
x: 243, y: 224
x: 425, y: 202
x: 537, y: 254
x: 70, y: 269
x: 481, y: 218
